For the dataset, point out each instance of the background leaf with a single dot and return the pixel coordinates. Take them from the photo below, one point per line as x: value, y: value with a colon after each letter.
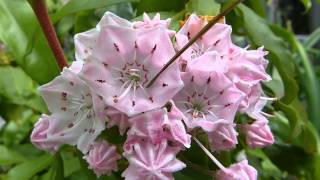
x: 22, y: 34
x: 261, y: 35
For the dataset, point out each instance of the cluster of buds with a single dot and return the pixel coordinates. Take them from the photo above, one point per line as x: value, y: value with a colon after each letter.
x: 107, y: 86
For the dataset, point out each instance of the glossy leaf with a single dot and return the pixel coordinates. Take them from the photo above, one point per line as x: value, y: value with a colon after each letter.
x: 22, y: 35
x: 157, y: 6
x: 203, y: 7
x: 312, y: 39
x: 74, y: 6
x: 30, y: 168
x: 307, y: 4
x: 9, y: 156
x: 18, y: 88
x: 261, y: 35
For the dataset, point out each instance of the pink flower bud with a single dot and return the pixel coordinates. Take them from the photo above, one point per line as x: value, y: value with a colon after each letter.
x: 258, y: 134
x: 224, y: 137
x: 239, y: 171
x: 39, y: 135
x: 102, y: 158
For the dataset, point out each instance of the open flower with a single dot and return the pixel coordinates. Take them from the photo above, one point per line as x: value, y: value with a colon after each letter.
x: 258, y: 134
x: 224, y: 137
x: 102, y: 158
x: 124, y: 60
x: 239, y: 171
x: 155, y: 22
x: 161, y: 124
x: 149, y: 161
x: 77, y: 113
x: 208, y: 97
x: 218, y: 38
x: 39, y: 135
x: 85, y: 41
x: 247, y: 66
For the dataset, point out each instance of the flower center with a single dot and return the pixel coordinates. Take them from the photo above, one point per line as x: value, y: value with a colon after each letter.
x: 134, y: 75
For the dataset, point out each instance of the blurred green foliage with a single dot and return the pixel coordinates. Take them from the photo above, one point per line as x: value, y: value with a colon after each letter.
x: 27, y: 62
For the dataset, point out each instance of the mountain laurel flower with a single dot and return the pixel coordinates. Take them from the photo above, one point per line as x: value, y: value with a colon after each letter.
x: 85, y: 41
x: 77, y: 112
x: 39, y: 135
x: 161, y: 124
x: 155, y: 22
x: 152, y: 161
x: 102, y: 158
x: 124, y: 60
x: 223, y: 138
x: 120, y: 78
x: 238, y: 171
x: 218, y: 38
x: 208, y: 97
x: 258, y: 134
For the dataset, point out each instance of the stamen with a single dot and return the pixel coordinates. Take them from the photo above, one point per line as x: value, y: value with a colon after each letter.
x: 267, y: 115
x: 269, y: 98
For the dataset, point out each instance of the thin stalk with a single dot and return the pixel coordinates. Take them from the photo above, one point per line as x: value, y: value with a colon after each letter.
x: 195, y: 38
x: 215, y: 160
x: 41, y: 11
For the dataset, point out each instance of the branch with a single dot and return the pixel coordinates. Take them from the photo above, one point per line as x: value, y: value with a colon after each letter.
x: 41, y: 12
x: 195, y: 38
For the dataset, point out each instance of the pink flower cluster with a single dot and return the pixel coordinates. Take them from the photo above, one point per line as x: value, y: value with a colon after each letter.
x: 107, y: 86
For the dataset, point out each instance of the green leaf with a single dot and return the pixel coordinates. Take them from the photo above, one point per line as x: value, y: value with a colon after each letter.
x: 303, y: 133
x: 18, y: 88
x: 22, y: 34
x: 157, y: 6
x: 28, y: 169
x: 307, y: 4
x: 306, y: 74
x: 56, y: 170
x: 258, y: 6
x: 261, y: 35
x: 74, y: 6
x: 312, y: 39
x: 9, y: 156
x: 203, y: 7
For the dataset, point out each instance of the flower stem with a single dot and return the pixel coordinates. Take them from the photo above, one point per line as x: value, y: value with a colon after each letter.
x: 215, y: 160
x: 41, y: 12
x: 195, y: 38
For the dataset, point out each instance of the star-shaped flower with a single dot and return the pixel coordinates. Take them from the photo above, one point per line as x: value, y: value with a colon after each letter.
x: 77, y: 112
x: 124, y: 60
x: 149, y: 161
x: 218, y: 38
x: 161, y: 124
x: 102, y: 158
x: 208, y: 97
x: 239, y: 171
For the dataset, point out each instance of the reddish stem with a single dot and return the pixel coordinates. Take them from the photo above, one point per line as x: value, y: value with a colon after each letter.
x: 41, y: 12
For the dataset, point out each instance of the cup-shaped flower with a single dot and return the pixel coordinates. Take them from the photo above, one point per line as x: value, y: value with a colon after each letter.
x: 239, y: 171
x: 258, y: 134
x: 161, y: 124
x: 247, y: 67
x: 150, y: 161
x: 124, y: 60
x: 224, y: 137
x: 218, y: 38
x: 102, y: 158
x: 39, y: 135
x: 208, y: 97
x: 77, y: 112
x: 84, y: 42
